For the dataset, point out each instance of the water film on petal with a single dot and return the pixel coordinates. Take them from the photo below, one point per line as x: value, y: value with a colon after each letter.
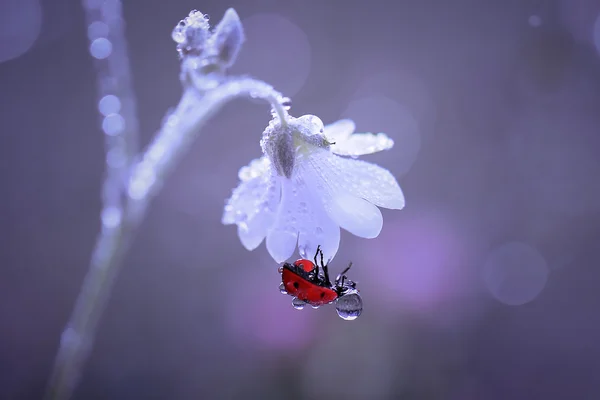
x: 283, y: 236
x: 348, y: 211
x: 360, y: 144
x: 356, y: 215
x: 339, y: 131
x: 315, y: 227
x: 253, y: 204
x: 359, y: 178
x: 254, y: 230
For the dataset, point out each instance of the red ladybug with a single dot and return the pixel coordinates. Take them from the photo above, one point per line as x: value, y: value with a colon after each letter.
x: 310, y: 285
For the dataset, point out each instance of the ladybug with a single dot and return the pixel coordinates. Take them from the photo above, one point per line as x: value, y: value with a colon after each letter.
x: 309, y: 284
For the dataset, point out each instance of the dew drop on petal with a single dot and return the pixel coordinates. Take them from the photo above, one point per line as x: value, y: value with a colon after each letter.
x: 349, y: 306
x: 298, y: 304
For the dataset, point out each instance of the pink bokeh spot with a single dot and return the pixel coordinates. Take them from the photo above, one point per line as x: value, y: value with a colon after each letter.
x: 260, y: 316
x: 420, y: 263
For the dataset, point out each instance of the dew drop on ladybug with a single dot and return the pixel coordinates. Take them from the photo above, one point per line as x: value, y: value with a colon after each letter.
x: 298, y: 304
x: 282, y: 288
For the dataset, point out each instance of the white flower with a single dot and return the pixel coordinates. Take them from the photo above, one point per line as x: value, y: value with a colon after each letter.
x: 301, y: 191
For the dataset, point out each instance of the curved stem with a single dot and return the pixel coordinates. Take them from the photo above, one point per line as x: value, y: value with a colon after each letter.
x: 179, y: 130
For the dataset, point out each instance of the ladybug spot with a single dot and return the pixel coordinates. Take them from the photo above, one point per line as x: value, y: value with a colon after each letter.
x: 296, y: 285
x: 322, y: 294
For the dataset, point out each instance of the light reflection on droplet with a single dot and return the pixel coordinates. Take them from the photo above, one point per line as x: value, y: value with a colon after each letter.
x: 277, y: 50
x: 101, y: 48
x: 113, y: 124
x: 515, y: 273
x: 379, y: 113
x: 109, y: 104
x: 20, y: 25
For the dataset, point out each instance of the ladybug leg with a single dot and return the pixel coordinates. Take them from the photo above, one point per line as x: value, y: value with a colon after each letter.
x: 316, y: 277
x: 325, y: 270
x: 339, y: 281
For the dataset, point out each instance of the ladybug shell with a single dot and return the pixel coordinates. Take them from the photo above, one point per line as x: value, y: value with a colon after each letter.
x: 298, y: 283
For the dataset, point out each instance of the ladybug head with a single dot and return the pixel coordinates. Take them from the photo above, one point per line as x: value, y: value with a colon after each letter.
x: 348, y: 303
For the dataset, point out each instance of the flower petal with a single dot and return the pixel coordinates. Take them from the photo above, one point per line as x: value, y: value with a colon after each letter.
x: 350, y: 212
x: 252, y: 232
x: 253, y: 203
x: 356, y: 215
x: 339, y: 131
x: 315, y: 227
x: 360, y: 144
x: 283, y: 236
x: 360, y: 178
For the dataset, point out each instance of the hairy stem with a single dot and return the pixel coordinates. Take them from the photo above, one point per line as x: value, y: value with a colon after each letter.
x: 125, y: 204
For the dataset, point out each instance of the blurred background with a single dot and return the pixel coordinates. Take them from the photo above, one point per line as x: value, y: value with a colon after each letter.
x: 484, y: 287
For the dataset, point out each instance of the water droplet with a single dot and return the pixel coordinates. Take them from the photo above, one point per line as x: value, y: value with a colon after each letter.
x: 282, y: 288
x: 349, y: 305
x: 280, y: 270
x: 298, y: 304
x: 315, y: 306
x: 178, y: 35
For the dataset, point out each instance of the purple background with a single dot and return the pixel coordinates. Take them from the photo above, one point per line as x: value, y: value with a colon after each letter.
x: 484, y: 287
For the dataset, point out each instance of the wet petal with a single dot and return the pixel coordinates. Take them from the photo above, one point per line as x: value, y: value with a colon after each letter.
x: 359, y: 178
x: 253, y: 203
x: 250, y: 193
x: 356, y: 215
x: 252, y: 232
x: 283, y: 236
x: 315, y: 227
x: 339, y: 131
x: 350, y: 212
x: 360, y: 144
